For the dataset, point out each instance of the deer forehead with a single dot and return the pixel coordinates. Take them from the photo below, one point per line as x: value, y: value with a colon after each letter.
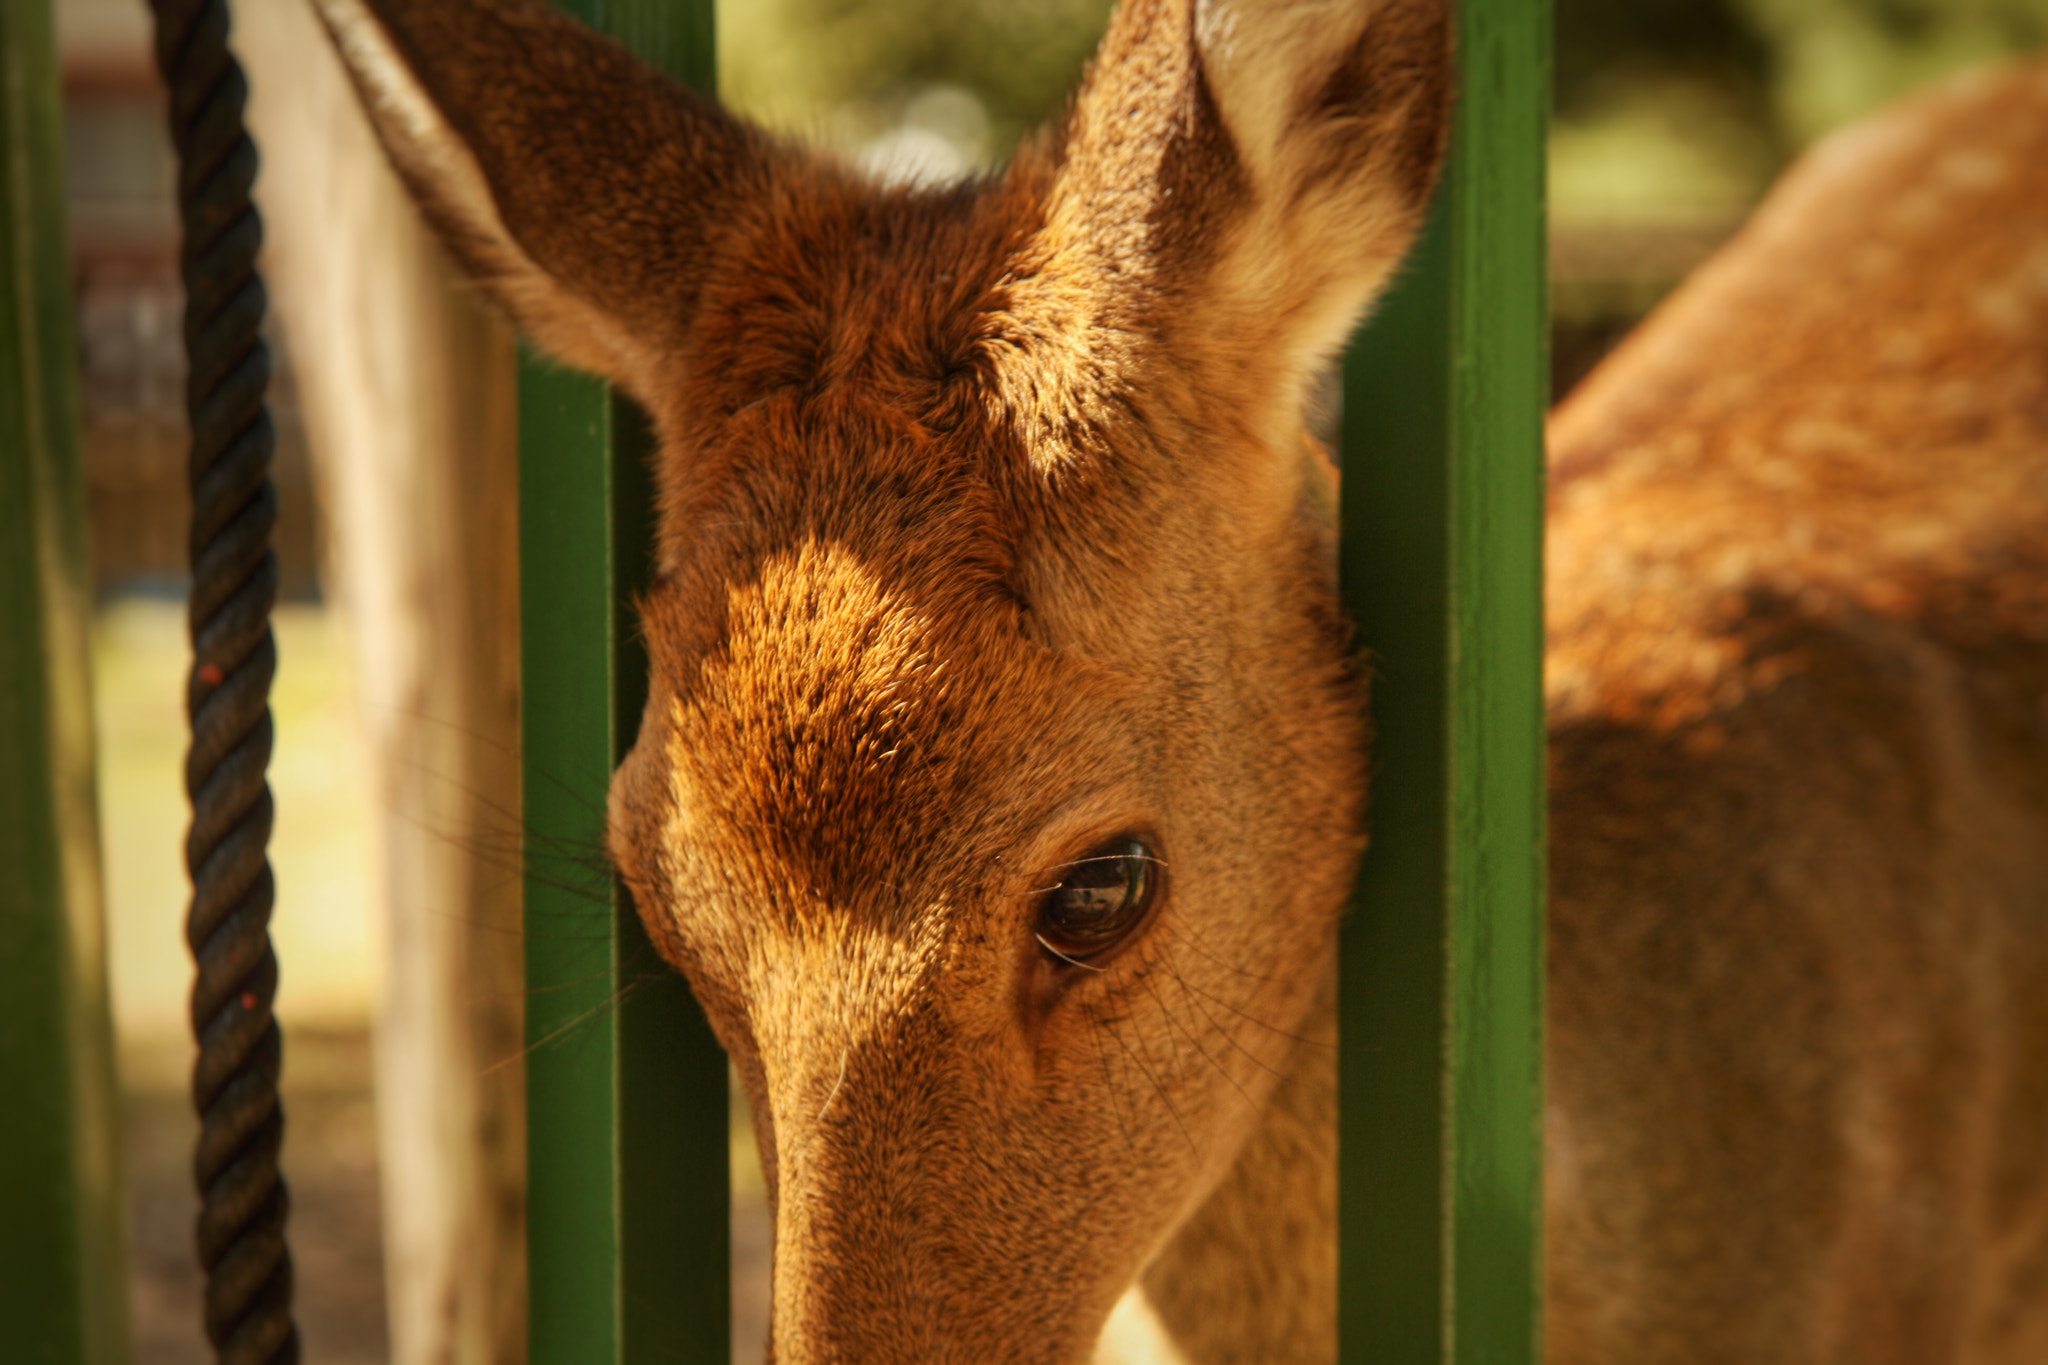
x: 845, y: 736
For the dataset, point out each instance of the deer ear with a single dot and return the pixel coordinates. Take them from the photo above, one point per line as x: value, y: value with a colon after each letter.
x: 582, y: 188
x: 1241, y: 177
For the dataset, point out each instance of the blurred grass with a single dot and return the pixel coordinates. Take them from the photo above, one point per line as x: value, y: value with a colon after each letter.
x: 327, y: 937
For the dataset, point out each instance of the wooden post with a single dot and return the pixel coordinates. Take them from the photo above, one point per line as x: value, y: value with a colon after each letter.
x: 626, y: 1087
x: 63, y: 1271
x: 1442, y: 994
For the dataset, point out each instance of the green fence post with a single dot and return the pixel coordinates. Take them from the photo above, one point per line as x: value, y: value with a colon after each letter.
x: 626, y: 1087
x: 63, y: 1274
x: 1440, y: 1179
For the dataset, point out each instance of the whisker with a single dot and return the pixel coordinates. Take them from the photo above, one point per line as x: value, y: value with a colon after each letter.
x: 1221, y: 1070
x: 1188, y: 933
x: 1158, y: 1089
x: 504, y: 750
x: 844, y: 1058
x: 575, y: 984
x: 610, y: 1002
x: 1254, y: 1019
x: 1226, y: 1034
x: 593, y: 882
x: 1115, y: 1086
x: 516, y: 834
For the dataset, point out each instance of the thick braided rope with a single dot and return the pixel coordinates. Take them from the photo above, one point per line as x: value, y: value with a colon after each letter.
x: 234, y: 586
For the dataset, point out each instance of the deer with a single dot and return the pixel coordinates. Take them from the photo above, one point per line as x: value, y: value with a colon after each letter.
x: 1005, y: 765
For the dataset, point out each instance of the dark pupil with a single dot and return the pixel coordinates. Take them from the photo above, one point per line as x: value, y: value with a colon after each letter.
x: 1101, y: 896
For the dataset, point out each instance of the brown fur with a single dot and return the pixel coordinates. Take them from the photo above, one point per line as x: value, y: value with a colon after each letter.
x: 989, y: 532
x: 1799, y: 706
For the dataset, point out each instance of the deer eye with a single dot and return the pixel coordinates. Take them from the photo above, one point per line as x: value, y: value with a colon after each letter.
x: 1104, y: 897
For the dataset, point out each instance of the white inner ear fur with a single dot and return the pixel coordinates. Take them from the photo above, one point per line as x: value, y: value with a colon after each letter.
x: 1317, y: 264
x: 449, y: 184
x: 1257, y: 55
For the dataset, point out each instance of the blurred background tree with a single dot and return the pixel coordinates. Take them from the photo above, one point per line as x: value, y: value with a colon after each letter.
x: 1697, y: 101
x: 954, y: 82
x: 1674, y: 116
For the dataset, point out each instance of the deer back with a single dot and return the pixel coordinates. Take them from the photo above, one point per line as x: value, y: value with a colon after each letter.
x: 1798, y: 678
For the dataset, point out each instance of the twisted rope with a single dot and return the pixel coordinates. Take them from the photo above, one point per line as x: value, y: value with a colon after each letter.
x: 234, y: 585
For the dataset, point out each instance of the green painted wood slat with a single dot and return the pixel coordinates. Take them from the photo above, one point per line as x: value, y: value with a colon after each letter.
x: 1442, y: 979
x: 63, y: 1272
x: 626, y: 1087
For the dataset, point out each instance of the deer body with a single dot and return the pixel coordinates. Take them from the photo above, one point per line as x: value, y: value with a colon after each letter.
x: 1798, y: 675
x: 1004, y: 767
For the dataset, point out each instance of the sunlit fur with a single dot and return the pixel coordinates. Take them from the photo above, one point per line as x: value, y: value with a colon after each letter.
x: 989, y: 533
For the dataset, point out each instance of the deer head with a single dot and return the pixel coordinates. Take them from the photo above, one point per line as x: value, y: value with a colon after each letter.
x: 1003, y: 771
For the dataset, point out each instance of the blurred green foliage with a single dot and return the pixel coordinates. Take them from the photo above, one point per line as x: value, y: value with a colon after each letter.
x: 1661, y: 102
x: 1833, y: 60
x: 847, y: 69
x: 1663, y: 106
